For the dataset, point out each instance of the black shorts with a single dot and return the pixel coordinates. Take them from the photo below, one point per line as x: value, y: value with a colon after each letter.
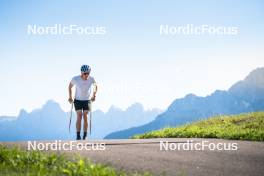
x: 82, y: 105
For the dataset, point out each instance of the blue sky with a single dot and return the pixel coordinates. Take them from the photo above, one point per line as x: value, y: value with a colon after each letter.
x: 132, y: 62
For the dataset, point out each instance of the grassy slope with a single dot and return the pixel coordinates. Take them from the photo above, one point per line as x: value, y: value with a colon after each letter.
x: 248, y: 126
x: 14, y: 161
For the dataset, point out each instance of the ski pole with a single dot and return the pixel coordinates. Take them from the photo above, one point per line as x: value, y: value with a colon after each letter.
x: 90, y: 119
x: 70, y: 117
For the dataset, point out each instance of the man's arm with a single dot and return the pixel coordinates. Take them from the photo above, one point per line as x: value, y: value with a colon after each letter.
x: 94, y: 92
x: 70, y: 92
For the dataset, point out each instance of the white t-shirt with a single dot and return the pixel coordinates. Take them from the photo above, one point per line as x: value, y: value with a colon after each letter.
x: 83, y: 87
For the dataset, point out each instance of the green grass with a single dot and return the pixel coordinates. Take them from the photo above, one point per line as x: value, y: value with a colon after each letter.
x: 14, y: 161
x: 247, y: 126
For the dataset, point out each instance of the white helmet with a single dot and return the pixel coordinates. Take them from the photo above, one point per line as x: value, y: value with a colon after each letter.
x: 85, y: 69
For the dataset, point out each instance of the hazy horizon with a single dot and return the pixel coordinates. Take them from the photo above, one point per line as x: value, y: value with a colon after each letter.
x: 125, y: 108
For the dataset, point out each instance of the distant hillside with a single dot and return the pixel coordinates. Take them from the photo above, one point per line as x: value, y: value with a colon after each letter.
x: 248, y: 126
x: 243, y: 96
x: 7, y: 118
x: 51, y: 122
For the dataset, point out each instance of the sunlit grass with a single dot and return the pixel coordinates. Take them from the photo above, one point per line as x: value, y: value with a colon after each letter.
x: 14, y: 161
x: 247, y: 126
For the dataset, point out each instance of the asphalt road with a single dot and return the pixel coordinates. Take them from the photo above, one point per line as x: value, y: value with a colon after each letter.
x: 146, y: 155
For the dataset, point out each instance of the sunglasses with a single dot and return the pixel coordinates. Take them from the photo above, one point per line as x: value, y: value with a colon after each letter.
x: 86, y: 73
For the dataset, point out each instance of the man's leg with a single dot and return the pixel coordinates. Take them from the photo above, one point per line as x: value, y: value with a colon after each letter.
x: 79, y: 123
x: 85, y: 124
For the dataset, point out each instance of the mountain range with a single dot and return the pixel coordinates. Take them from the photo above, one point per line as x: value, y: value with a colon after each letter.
x: 50, y: 122
x: 244, y: 96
